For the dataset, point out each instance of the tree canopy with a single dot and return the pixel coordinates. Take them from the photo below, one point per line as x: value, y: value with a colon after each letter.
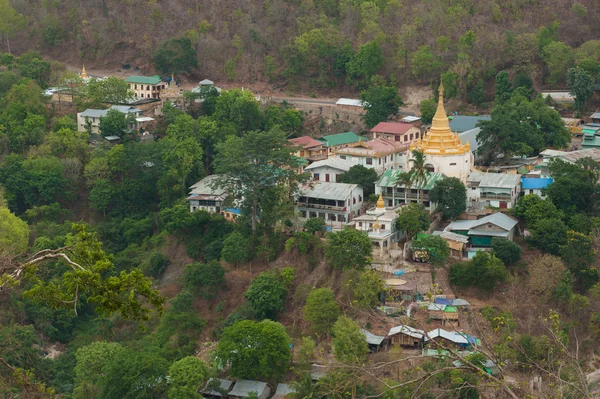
x: 321, y: 310
x: 364, y: 177
x: 348, y: 249
x: 450, y: 195
x: 413, y: 219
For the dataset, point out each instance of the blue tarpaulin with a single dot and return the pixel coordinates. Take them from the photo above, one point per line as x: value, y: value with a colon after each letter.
x: 443, y: 301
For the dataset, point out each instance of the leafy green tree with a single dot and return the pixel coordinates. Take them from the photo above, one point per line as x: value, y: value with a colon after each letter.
x: 582, y: 86
x: 348, y: 249
x: 477, y: 94
x: 321, y: 310
x: 175, y: 56
x: 23, y: 116
x: 290, y: 120
x: 505, y: 250
x: 185, y: 377
x: 204, y: 279
x: 98, y: 92
x: 484, y: 271
x: 157, y: 264
x: 575, y: 189
x: 450, y: 195
x: 436, y: 247
x: 503, y: 88
x: 113, y: 124
x: 92, y: 360
x: 14, y: 233
x: 11, y: 22
x: 367, y: 288
x: 427, y: 109
x: 33, y: 66
x: 349, y: 343
x: 549, y: 235
x: 559, y: 57
x: 262, y: 161
x: 425, y: 63
x: 313, y: 225
x: 365, y: 63
x: 579, y: 256
x: 412, y: 219
x: 235, y: 248
x: 239, y: 110
x: 255, y: 350
x: 267, y: 294
x: 380, y: 101
x: 532, y: 208
x: 587, y: 56
x: 68, y: 143
x: 364, y: 177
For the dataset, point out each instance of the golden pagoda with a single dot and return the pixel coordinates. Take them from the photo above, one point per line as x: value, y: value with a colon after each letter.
x: 84, y: 74
x: 440, y: 140
x: 380, y: 203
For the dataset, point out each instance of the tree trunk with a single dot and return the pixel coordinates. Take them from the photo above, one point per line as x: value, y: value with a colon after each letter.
x: 7, y: 43
x: 254, y: 206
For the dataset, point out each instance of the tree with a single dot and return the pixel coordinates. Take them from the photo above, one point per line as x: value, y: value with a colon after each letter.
x: 240, y: 111
x: 427, y: 109
x: 204, y: 279
x: 425, y: 63
x: 418, y: 171
x: 11, y: 22
x: 175, y: 56
x: 185, y: 377
x: 587, y: 56
x: 436, y: 247
x: 321, y: 310
x: 365, y: 63
x: 575, y: 189
x: 255, y: 350
x: 113, y: 124
x: 349, y: 343
x: 314, y: 225
x: 484, y: 271
x: 505, y: 250
x: 92, y: 360
x: 579, y: 255
x: 549, y: 235
x: 14, y: 233
x: 111, y: 90
x: 364, y: 177
x: 545, y: 272
x: 532, y: 208
x: 266, y: 294
x: 379, y: 101
x: 412, y: 219
x: 367, y: 288
x: 559, y: 57
x: 503, y: 88
x: 582, y: 86
x: 250, y: 166
x: 348, y: 249
x: 477, y: 94
x: 235, y: 248
x: 450, y: 195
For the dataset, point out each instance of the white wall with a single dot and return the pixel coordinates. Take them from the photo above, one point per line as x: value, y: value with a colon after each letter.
x: 323, y: 171
x: 391, y: 161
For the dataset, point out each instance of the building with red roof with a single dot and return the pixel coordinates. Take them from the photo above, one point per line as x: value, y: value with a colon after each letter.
x: 380, y: 154
x: 312, y: 149
x: 399, y: 132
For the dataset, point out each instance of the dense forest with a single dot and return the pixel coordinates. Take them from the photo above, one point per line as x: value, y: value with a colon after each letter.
x: 319, y: 44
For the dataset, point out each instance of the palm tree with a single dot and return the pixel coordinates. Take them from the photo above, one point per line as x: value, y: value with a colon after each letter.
x: 404, y: 179
x: 304, y: 388
x: 418, y: 171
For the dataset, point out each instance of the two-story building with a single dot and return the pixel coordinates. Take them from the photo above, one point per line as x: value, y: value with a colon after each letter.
x: 499, y: 190
x: 336, y: 203
x: 481, y: 232
x: 311, y: 149
x: 204, y: 196
x: 380, y: 225
x: 379, y: 154
x: 329, y: 170
x: 91, y: 117
x: 334, y: 142
x: 395, y: 193
x: 399, y: 132
x: 146, y: 86
x: 536, y: 185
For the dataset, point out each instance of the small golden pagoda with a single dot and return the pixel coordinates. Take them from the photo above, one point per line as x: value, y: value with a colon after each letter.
x: 84, y: 74
x: 440, y: 140
x: 380, y: 203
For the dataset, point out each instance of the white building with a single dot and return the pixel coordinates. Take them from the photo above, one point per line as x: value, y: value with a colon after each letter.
x: 444, y: 151
x: 146, y: 86
x: 329, y: 170
x: 499, y: 190
x: 204, y: 196
x: 397, y: 194
x: 337, y: 203
x: 92, y: 116
x: 536, y: 185
x: 379, y: 154
x: 380, y: 225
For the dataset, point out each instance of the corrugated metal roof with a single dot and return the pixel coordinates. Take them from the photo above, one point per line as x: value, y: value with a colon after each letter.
x: 471, y: 137
x: 336, y: 163
x: 448, y: 235
x: 94, y: 113
x: 462, y: 123
x: 371, y: 338
x: 498, y: 219
x: 450, y: 309
x: 453, y: 336
x: 126, y: 109
x: 225, y: 385
x: 283, y: 390
x: 206, y: 82
x: 147, y: 80
x: 407, y: 330
x: 574, y: 156
x: 535, y: 183
x: 349, y: 101
x: 325, y: 190
x: 242, y: 388
x: 460, y: 302
x: 595, y: 115
x: 496, y: 180
x: 340, y: 139
x: 392, y: 128
x: 388, y: 179
x: 436, y: 306
x: 410, y: 119
x: 204, y: 187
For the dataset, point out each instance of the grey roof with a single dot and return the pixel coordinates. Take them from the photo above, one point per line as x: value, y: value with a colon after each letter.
x: 372, y: 339
x: 488, y: 233
x: 462, y: 123
x: 453, y: 336
x: 206, y: 82
x: 470, y: 136
x: 499, y: 219
x: 574, y: 156
x: 407, y: 330
x: 595, y: 115
x: 126, y: 109
x: 436, y: 306
x: 112, y: 138
x: 460, y: 302
x: 451, y: 236
x: 242, y: 388
x: 336, y: 163
x: 496, y: 180
x: 94, y: 113
x: 224, y: 384
x: 325, y: 190
x: 282, y: 391
x: 203, y: 187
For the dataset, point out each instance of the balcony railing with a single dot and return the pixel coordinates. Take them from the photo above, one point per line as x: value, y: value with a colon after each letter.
x: 317, y: 157
x: 495, y: 197
x: 321, y: 206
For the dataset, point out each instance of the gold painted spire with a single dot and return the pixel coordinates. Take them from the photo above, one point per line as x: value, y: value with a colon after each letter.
x: 380, y: 203
x: 440, y: 140
x: 376, y: 225
x: 84, y: 74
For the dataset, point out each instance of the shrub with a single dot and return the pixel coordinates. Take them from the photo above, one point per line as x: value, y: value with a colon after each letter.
x: 157, y: 264
x: 506, y: 250
x: 204, y: 279
x: 321, y: 310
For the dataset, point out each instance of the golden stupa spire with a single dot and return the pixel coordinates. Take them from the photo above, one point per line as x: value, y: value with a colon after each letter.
x: 380, y: 203
x: 376, y: 226
x: 440, y: 121
x: 84, y: 74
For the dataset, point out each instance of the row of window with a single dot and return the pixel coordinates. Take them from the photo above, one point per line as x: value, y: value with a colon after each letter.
x: 360, y: 224
x: 161, y: 87
x: 332, y: 217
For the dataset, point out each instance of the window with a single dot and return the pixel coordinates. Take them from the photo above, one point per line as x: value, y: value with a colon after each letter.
x: 416, y: 135
x: 369, y: 161
x: 453, y: 164
x: 405, y: 138
x: 379, y: 161
x: 136, y: 87
x: 397, y: 138
x: 359, y: 198
x: 370, y: 225
x: 332, y: 217
x: 337, y: 178
x: 353, y: 200
x: 530, y: 191
x: 383, y: 227
x: 342, y: 157
x: 327, y: 177
x: 359, y: 224
x: 390, y: 203
x: 147, y: 87
x: 411, y: 136
x: 316, y: 177
x: 473, y: 188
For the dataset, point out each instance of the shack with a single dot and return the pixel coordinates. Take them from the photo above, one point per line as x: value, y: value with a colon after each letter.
x: 216, y: 388
x: 400, y: 290
x: 374, y: 341
x: 443, y: 312
x: 243, y: 389
x: 449, y: 339
x: 406, y: 336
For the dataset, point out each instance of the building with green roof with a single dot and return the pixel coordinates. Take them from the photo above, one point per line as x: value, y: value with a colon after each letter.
x: 395, y: 195
x: 146, y: 86
x: 340, y: 140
